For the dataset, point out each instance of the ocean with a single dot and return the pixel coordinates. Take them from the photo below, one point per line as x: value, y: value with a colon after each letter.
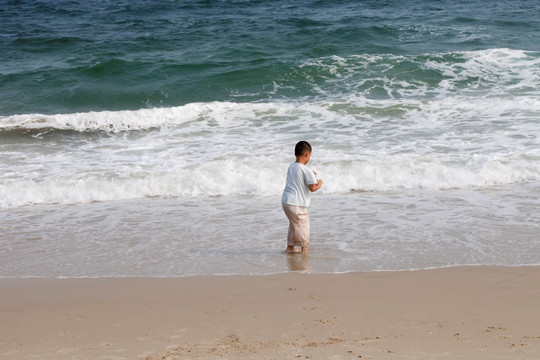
x: 151, y: 138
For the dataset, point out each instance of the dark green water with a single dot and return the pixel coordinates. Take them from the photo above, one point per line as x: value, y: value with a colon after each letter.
x: 77, y: 56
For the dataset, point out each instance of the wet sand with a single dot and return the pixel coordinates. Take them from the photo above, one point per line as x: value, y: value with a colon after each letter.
x: 454, y: 313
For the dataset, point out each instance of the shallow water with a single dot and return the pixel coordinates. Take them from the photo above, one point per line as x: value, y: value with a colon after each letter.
x: 365, y: 231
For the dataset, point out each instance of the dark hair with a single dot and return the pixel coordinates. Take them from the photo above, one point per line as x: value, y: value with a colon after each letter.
x: 301, y: 148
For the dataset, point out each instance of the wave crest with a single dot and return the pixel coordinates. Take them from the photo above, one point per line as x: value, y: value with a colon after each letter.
x: 108, y: 121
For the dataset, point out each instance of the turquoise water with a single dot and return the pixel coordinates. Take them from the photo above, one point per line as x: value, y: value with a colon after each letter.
x: 151, y: 138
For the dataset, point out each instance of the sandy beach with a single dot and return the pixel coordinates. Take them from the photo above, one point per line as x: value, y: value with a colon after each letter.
x: 454, y: 313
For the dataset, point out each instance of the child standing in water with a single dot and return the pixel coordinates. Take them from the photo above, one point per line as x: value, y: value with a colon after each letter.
x: 301, y: 182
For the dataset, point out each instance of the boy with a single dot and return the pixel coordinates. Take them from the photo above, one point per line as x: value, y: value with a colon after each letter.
x: 301, y: 181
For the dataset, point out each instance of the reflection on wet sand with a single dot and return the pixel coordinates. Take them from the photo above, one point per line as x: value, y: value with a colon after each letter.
x: 298, y: 262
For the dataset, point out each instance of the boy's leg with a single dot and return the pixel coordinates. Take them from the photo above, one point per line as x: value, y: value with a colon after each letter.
x: 290, y: 233
x: 303, y: 231
x: 290, y: 239
x: 298, y: 234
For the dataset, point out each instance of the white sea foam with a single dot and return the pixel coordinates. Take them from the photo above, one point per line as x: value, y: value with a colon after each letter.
x: 492, y: 72
x: 442, y: 136
x: 244, y: 149
x: 66, y: 181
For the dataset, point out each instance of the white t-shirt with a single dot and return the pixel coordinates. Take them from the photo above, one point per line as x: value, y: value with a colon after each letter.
x: 296, y: 190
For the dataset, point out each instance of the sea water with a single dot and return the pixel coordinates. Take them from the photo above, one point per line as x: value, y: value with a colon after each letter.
x: 152, y: 138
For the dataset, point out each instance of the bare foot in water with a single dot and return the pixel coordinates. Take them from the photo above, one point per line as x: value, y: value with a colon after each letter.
x: 291, y: 250
x: 304, y: 249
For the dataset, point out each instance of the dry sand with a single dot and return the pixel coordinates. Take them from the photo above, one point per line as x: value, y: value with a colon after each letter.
x: 457, y: 313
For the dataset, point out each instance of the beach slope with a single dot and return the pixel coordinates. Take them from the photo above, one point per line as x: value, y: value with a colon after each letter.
x: 454, y: 313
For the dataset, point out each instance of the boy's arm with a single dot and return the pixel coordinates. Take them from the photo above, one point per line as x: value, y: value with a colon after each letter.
x: 315, y: 187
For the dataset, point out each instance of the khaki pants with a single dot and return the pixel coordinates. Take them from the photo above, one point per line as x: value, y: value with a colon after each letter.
x: 298, y: 225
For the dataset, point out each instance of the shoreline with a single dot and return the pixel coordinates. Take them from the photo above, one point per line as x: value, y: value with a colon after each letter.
x: 293, y: 269
x: 471, y: 312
